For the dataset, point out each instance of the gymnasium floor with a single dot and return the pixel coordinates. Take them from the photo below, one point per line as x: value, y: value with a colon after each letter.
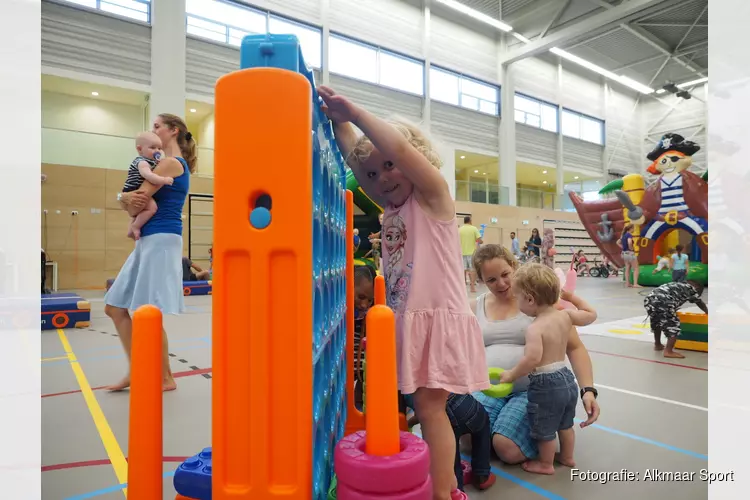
x: 654, y: 411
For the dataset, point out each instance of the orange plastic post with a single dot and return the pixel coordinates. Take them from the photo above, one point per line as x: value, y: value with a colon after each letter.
x: 355, y: 419
x: 382, y: 399
x: 145, y: 434
x: 262, y: 295
x: 380, y: 290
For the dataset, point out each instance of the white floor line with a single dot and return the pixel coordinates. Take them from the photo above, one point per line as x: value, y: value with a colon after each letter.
x: 655, y: 398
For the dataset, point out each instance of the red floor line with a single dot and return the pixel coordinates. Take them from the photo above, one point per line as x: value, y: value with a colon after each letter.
x: 188, y: 373
x: 678, y: 365
x: 93, y: 463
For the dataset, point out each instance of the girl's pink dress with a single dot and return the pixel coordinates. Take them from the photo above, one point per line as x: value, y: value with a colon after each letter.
x: 438, y: 338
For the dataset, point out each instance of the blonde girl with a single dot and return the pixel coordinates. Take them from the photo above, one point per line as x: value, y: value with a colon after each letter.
x: 439, y: 342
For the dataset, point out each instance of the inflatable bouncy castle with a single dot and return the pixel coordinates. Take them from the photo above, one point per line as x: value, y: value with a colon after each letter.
x: 673, y: 209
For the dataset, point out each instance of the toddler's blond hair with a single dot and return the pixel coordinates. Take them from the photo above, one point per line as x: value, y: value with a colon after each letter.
x: 413, y: 134
x: 538, y: 282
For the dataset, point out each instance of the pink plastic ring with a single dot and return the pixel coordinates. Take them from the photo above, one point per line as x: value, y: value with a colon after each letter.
x: 374, y: 474
x: 421, y: 492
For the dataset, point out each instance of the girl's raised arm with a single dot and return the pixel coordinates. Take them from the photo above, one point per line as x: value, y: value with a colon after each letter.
x: 427, y: 179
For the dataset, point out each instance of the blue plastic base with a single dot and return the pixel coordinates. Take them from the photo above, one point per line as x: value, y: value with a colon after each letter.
x: 193, y: 477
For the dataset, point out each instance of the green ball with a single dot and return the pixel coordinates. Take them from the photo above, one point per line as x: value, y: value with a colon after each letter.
x: 498, y: 390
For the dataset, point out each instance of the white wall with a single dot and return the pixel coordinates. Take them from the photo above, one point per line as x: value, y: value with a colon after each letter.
x: 669, y: 113
x: 205, y: 141
x: 90, y: 133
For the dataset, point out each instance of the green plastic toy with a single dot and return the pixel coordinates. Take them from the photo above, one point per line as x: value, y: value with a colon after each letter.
x: 498, y: 390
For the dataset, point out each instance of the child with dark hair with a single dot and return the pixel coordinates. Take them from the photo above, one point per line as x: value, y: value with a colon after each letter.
x: 680, y: 265
x: 364, y: 292
x: 662, y: 305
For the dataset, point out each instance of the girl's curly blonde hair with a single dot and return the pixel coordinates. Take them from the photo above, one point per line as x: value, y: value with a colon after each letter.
x: 416, y: 137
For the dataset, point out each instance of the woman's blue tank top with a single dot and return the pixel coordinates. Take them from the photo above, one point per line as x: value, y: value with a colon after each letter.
x: 169, y: 200
x: 624, y: 241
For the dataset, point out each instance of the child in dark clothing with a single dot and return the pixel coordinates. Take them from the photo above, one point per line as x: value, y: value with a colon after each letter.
x: 662, y: 305
x: 468, y: 416
x: 364, y: 292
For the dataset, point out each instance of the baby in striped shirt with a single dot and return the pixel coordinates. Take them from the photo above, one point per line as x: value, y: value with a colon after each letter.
x: 141, y: 169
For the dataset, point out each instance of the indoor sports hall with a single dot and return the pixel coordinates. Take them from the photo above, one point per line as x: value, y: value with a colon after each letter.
x: 557, y: 123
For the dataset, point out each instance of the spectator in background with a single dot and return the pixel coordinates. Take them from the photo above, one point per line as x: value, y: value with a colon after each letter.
x: 515, y: 246
x: 356, y: 239
x: 470, y: 237
x: 189, y: 275
x: 535, y: 242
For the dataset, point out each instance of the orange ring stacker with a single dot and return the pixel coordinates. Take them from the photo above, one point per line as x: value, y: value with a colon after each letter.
x: 355, y: 419
x: 382, y: 426
x: 262, y: 437
x: 145, y: 442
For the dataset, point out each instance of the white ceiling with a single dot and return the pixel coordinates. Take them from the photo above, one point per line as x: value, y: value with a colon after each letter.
x: 666, y: 41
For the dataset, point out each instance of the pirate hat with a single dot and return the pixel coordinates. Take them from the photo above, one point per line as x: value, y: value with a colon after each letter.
x: 673, y: 142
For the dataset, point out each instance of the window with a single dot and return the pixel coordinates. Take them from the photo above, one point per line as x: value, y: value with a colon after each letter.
x: 140, y: 10
x: 223, y: 22
x: 535, y: 113
x: 452, y: 88
x: 374, y: 65
x: 229, y: 23
x: 582, y: 127
x: 353, y: 59
x: 310, y: 39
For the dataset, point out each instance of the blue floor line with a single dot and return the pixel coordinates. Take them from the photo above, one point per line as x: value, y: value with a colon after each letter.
x: 110, y: 489
x: 118, y: 346
x: 648, y: 441
x: 520, y: 482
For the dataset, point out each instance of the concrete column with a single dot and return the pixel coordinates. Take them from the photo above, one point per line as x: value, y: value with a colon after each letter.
x: 560, y: 156
x: 325, y: 7
x: 448, y: 155
x: 427, y: 20
x: 507, y: 134
x: 167, y: 58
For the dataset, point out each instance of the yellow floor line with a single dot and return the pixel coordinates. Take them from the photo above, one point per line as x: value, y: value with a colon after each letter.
x: 56, y: 358
x: 111, y: 446
x: 623, y: 331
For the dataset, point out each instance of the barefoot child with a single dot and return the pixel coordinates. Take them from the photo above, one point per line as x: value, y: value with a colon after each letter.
x: 553, y: 392
x: 149, y: 150
x: 661, y: 306
x: 439, y: 342
x: 680, y: 264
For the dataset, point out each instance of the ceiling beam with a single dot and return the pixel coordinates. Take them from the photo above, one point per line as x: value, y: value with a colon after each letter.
x: 684, y: 52
x: 670, y: 25
x: 563, y: 7
x: 623, y: 12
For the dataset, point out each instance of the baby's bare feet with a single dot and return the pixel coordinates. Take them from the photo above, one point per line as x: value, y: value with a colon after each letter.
x: 537, y: 467
x: 131, y: 233
x: 566, y: 461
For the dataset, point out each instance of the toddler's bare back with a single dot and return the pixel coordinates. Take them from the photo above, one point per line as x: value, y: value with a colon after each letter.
x: 554, y: 328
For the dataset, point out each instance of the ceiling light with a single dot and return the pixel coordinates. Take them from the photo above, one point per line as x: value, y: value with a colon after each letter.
x: 628, y: 82
x: 192, y: 110
x: 544, y: 171
x: 521, y: 37
x: 576, y: 177
x: 463, y: 157
x: 453, y: 4
x: 476, y: 171
x: 544, y: 182
x: 484, y: 173
x: 95, y: 94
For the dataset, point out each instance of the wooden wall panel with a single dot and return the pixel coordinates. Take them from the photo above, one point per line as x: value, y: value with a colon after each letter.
x: 93, y: 245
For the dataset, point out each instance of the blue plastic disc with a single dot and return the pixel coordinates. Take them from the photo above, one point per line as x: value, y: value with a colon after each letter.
x: 260, y: 218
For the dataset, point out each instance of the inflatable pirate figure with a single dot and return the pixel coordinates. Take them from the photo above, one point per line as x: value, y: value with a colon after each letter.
x: 677, y: 200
